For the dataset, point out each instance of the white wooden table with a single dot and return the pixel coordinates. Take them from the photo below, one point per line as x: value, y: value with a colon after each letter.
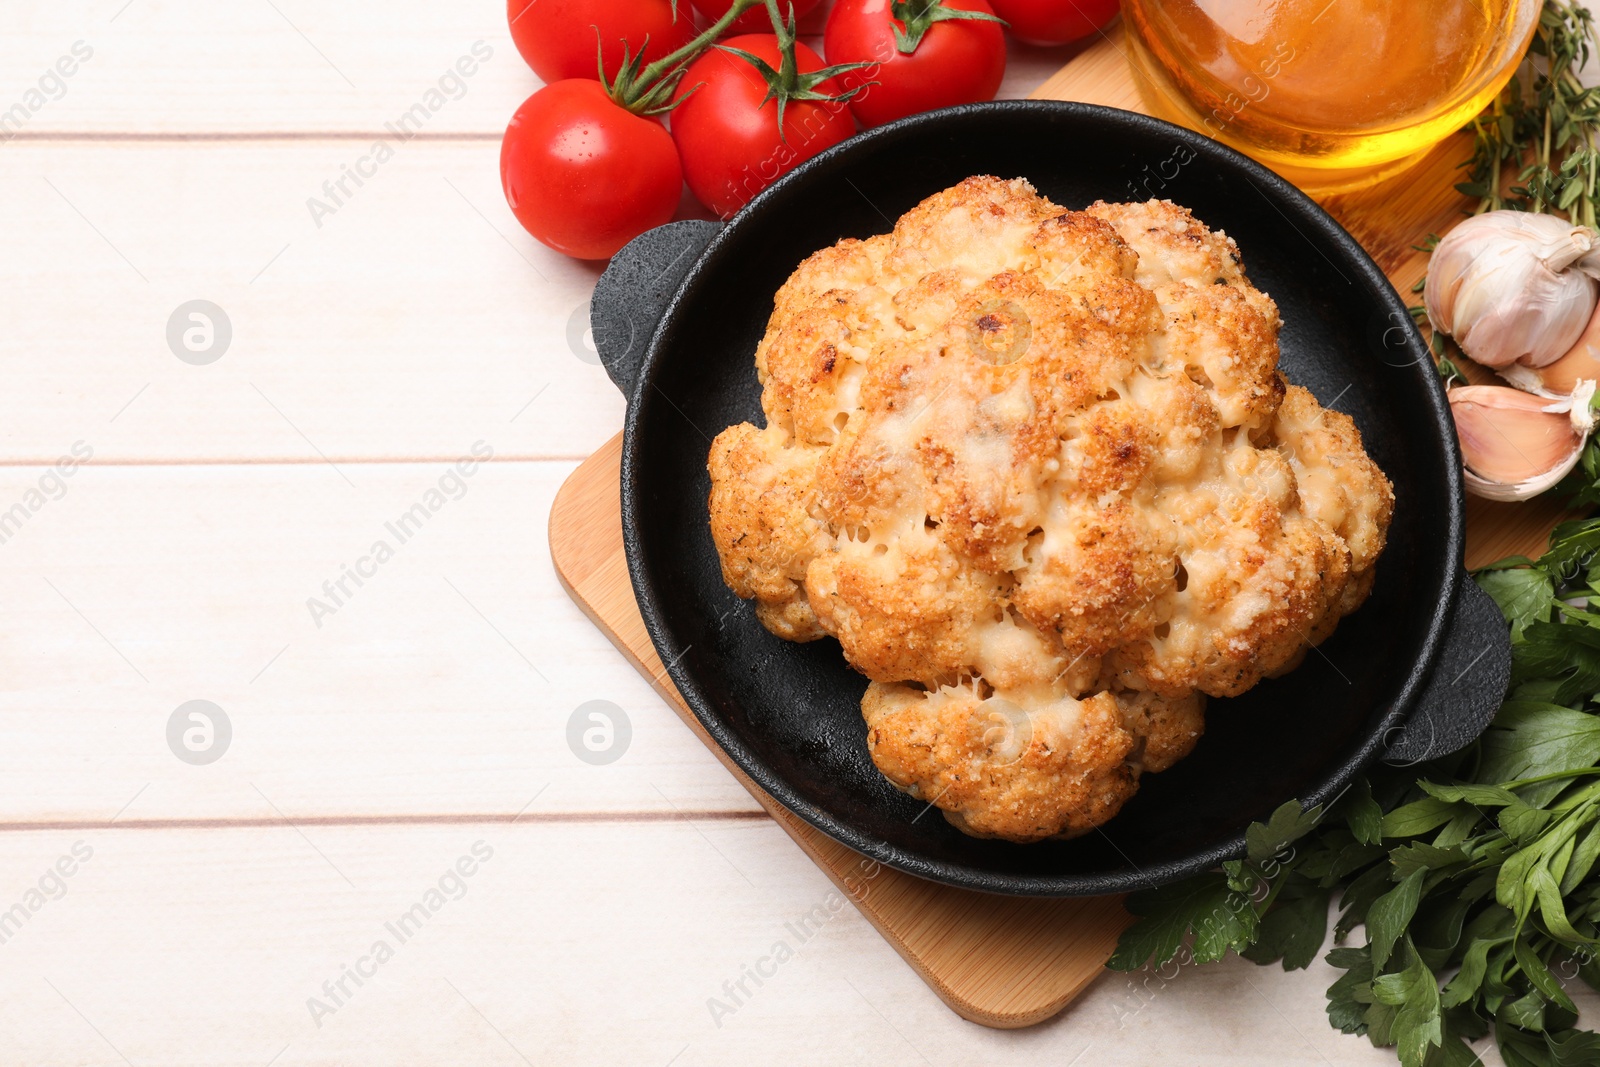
x: 424, y: 719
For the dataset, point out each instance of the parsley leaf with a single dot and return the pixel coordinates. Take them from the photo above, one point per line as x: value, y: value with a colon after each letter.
x: 1391, y: 913
x: 1287, y: 825
x: 1414, y: 994
x: 1561, y: 659
x: 1294, y: 930
x: 1525, y: 595
x: 1203, y: 907
x: 1531, y: 738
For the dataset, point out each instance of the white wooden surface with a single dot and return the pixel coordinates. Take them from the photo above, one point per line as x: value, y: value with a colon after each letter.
x: 429, y: 712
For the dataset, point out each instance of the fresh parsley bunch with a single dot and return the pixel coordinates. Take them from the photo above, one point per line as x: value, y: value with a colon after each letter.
x: 1474, y: 876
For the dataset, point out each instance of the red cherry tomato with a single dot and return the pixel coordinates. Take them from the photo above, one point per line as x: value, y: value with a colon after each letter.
x: 557, y: 37
x: 1054, y: 21
x: 584, y: 175
x: 958, y: 61
x: 756, y: 20
x: 729, y: 139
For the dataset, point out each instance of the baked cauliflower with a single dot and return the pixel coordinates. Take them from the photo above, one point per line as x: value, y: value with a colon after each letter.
x: 1036, y: 470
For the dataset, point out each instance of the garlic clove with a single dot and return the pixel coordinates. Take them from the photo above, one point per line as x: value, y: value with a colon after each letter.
x: 1511, y: 286
x: 1580, y: 363
x: 1515, y: 446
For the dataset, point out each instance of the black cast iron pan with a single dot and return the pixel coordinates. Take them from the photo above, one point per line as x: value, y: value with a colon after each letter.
x: 1417, y: 672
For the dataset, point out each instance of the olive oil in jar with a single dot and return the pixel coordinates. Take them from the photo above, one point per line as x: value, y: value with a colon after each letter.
x: 1334, y: 93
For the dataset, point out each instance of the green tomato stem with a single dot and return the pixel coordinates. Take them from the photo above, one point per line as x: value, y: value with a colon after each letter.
x: 666, y: 65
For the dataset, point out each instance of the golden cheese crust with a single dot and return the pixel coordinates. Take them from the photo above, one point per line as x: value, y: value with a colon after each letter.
x: 1036, y: 470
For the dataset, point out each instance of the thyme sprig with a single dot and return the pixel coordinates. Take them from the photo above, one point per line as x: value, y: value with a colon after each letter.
x: 1543, y: 123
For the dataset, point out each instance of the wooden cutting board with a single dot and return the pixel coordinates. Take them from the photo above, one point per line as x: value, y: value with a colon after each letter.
x: 1002, y: 961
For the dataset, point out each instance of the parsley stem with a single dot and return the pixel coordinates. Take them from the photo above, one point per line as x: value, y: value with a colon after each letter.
x: 1582, y: 772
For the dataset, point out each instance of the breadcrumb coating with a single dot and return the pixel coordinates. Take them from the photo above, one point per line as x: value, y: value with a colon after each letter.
x: 1038, y: 473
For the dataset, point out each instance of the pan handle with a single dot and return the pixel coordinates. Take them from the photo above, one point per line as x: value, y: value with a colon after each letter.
x: 635, y: 289
x: 1468, y: 683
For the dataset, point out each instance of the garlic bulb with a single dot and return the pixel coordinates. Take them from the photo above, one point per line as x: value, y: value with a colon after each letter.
x: 1515, y: 446
x: 1512, y: 287
x: 1581, y: 363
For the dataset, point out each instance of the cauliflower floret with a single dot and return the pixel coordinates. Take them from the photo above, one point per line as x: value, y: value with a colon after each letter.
x: 997, y: 769
x: 764, y: 537
x: 1057, y: 767
x: 1339, y: 484
x: 1037, y: 472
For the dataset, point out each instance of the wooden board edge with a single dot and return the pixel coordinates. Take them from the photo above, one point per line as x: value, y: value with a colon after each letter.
x: 1112, y: 922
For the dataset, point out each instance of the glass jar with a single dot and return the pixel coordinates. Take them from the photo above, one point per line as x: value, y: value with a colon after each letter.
x: 1334, y: 94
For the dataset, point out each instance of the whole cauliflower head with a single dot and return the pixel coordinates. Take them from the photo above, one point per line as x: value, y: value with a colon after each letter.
x: 1036, y: 470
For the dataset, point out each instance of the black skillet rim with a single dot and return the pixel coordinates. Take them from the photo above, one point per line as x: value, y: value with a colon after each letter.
x: 1319, y: 228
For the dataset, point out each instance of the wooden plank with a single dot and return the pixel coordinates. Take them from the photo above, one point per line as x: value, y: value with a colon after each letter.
x: 143, y: 588
x: 344, y: 69
x: 1000, y: 961
x: 416, y: 315
x: 573, y: 945
x: 416, y: 319
x: 185, y: 66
